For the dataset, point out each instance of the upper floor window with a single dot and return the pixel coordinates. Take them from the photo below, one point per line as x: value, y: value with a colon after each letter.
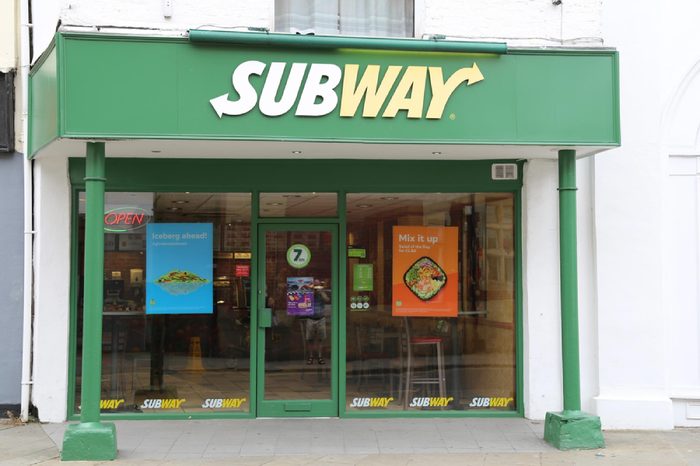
x: 378, y: 18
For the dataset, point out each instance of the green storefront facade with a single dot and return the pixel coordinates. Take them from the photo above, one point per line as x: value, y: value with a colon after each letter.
x: 364, y: 200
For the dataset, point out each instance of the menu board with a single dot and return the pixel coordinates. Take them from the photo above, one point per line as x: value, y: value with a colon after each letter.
x: 424, y: 271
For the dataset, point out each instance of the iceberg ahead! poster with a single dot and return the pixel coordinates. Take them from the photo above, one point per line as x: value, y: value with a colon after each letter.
x: 179, y: 268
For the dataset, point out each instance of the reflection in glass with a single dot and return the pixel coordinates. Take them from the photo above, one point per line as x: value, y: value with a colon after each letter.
x: 172, y: 362
x: 298, y: 292
x: 432, y: 363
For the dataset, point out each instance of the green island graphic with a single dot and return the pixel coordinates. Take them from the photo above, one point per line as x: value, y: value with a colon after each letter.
x: 179, y: 282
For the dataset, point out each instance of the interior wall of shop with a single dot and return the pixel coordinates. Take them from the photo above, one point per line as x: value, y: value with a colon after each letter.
x: 11, y: 275
x: 518, y: 22
x: 646, y: 224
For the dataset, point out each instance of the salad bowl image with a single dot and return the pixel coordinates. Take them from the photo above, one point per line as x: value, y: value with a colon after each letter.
x: 425, y: 278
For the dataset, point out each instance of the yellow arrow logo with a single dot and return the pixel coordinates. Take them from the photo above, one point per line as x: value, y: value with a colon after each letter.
x: 442, y: 90
x: 474, y: 74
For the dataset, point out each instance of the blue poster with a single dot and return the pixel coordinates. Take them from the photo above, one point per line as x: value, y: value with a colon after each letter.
x: 179, y: 268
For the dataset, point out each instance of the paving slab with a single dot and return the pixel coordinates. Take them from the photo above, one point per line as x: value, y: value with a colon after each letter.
x: 388, y: 442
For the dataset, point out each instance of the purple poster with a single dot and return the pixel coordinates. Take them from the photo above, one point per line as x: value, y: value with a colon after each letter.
x: 300, y: 296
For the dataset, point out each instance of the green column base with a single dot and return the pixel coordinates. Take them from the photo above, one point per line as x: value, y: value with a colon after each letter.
x: 571, y: 430
x: 90, y: 441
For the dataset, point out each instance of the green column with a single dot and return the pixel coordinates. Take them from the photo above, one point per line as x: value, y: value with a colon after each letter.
x: 91, y: 440
x: 568, y: 280
x: 571, y: 428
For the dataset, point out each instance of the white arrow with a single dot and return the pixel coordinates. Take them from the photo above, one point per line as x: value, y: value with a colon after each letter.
x: 223, y: 106
x: 248, y: 96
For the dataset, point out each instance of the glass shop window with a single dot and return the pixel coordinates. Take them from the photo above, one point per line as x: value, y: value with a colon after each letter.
x: 176, y: 313
x: 376, y: 18
x: 430, y: 302
x: 300, y: 204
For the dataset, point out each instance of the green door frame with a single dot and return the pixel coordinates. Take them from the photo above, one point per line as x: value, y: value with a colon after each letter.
x: 296, y: 408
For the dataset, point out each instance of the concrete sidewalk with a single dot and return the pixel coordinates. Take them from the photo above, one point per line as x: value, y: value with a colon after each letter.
x: 351, y: 441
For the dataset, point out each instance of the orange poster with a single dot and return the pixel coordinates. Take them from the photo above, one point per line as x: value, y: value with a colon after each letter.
x: 424, y: 277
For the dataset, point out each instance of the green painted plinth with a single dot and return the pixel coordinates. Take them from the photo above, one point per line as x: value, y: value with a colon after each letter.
x: 90, y: 441
x: 573, y: 430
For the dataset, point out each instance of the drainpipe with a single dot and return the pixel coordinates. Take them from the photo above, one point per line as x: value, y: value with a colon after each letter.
x: 28, y: 216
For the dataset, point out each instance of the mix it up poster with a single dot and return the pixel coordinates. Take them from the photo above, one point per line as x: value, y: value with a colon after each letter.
x: 179, y: 268
x: 424, y: 271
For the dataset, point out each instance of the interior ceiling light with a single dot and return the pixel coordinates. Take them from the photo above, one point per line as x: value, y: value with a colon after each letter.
x: 180, y: 201
x: 437, y: 153
x: 274, y: 204
x: 388, y: 198
x: 174, y: 209
x: 363, y: 206
x: 296, y: 152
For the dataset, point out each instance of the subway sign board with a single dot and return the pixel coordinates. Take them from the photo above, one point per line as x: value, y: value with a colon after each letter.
x: 170, y: 88
x: 316, y: 94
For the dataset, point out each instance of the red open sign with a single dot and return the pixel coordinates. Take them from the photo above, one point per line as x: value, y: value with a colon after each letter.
x: 124, y: 219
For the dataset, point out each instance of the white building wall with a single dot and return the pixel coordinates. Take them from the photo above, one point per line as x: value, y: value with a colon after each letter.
x: 541, y: 301
x: 541, y: 317
x: 519, y: 22
x: 647, y: 223
x: 8, y: 39
x: 51, y: 288
x: 587, y: 279
x: 682, y: 252
x: 632, y: 364
x: 680, y: 149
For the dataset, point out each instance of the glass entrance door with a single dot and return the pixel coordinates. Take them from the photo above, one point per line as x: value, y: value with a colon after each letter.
x: 297, y: 320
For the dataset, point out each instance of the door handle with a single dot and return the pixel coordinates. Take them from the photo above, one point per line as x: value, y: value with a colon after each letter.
x: 265, y: 317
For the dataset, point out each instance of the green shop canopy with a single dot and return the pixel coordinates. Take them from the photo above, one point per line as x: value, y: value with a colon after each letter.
x: 478, y: 99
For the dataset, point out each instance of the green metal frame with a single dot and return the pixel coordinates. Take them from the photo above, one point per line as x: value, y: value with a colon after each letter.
x: 91, y: 439
x: 256, y: 176
x: 569, y: 281
x: 318, y: 408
